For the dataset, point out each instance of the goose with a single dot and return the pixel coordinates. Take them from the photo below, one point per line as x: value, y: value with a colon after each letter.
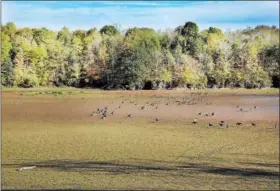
x: 195, y: 121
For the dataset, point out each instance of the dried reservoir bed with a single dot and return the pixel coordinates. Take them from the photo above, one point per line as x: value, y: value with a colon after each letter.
x: 156, y: 147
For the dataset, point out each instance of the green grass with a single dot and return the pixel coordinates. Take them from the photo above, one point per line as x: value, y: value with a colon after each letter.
x: 131, y: 152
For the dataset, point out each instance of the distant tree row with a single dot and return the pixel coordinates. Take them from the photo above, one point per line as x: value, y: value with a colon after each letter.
x: 140, y: 58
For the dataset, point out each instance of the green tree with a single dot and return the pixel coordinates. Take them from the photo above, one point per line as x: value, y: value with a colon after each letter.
x: 181, y: 57
x: 142, y: 37
x: 269, y: 60
x: 109, y: 30
x: 131, y: 66
x: 192, y: 42
x: 64, y: 36
x: 7, y: 72
x: 9, y: 29
x: 6, y: 47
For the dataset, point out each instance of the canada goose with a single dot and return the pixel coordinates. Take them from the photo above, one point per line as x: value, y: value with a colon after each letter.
x: 222, y: 121
x: 254, y: 124
x: 238, y: 123
x: 194, y: 121
x: 210, y: 125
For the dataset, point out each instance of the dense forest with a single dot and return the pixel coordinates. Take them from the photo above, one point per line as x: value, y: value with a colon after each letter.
x: 140, y: 58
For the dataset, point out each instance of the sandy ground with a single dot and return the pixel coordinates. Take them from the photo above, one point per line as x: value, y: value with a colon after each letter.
x: 73, y: 109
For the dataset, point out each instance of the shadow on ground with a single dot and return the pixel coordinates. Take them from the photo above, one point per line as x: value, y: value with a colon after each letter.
x: 183, y: 169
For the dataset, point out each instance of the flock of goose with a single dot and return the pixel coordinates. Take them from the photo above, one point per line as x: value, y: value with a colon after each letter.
x: 104, y: 111
x: 191, y: 100
x: 222, y: 122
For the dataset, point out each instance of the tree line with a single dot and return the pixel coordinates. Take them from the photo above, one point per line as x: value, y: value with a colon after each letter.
x: 140, y: 58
